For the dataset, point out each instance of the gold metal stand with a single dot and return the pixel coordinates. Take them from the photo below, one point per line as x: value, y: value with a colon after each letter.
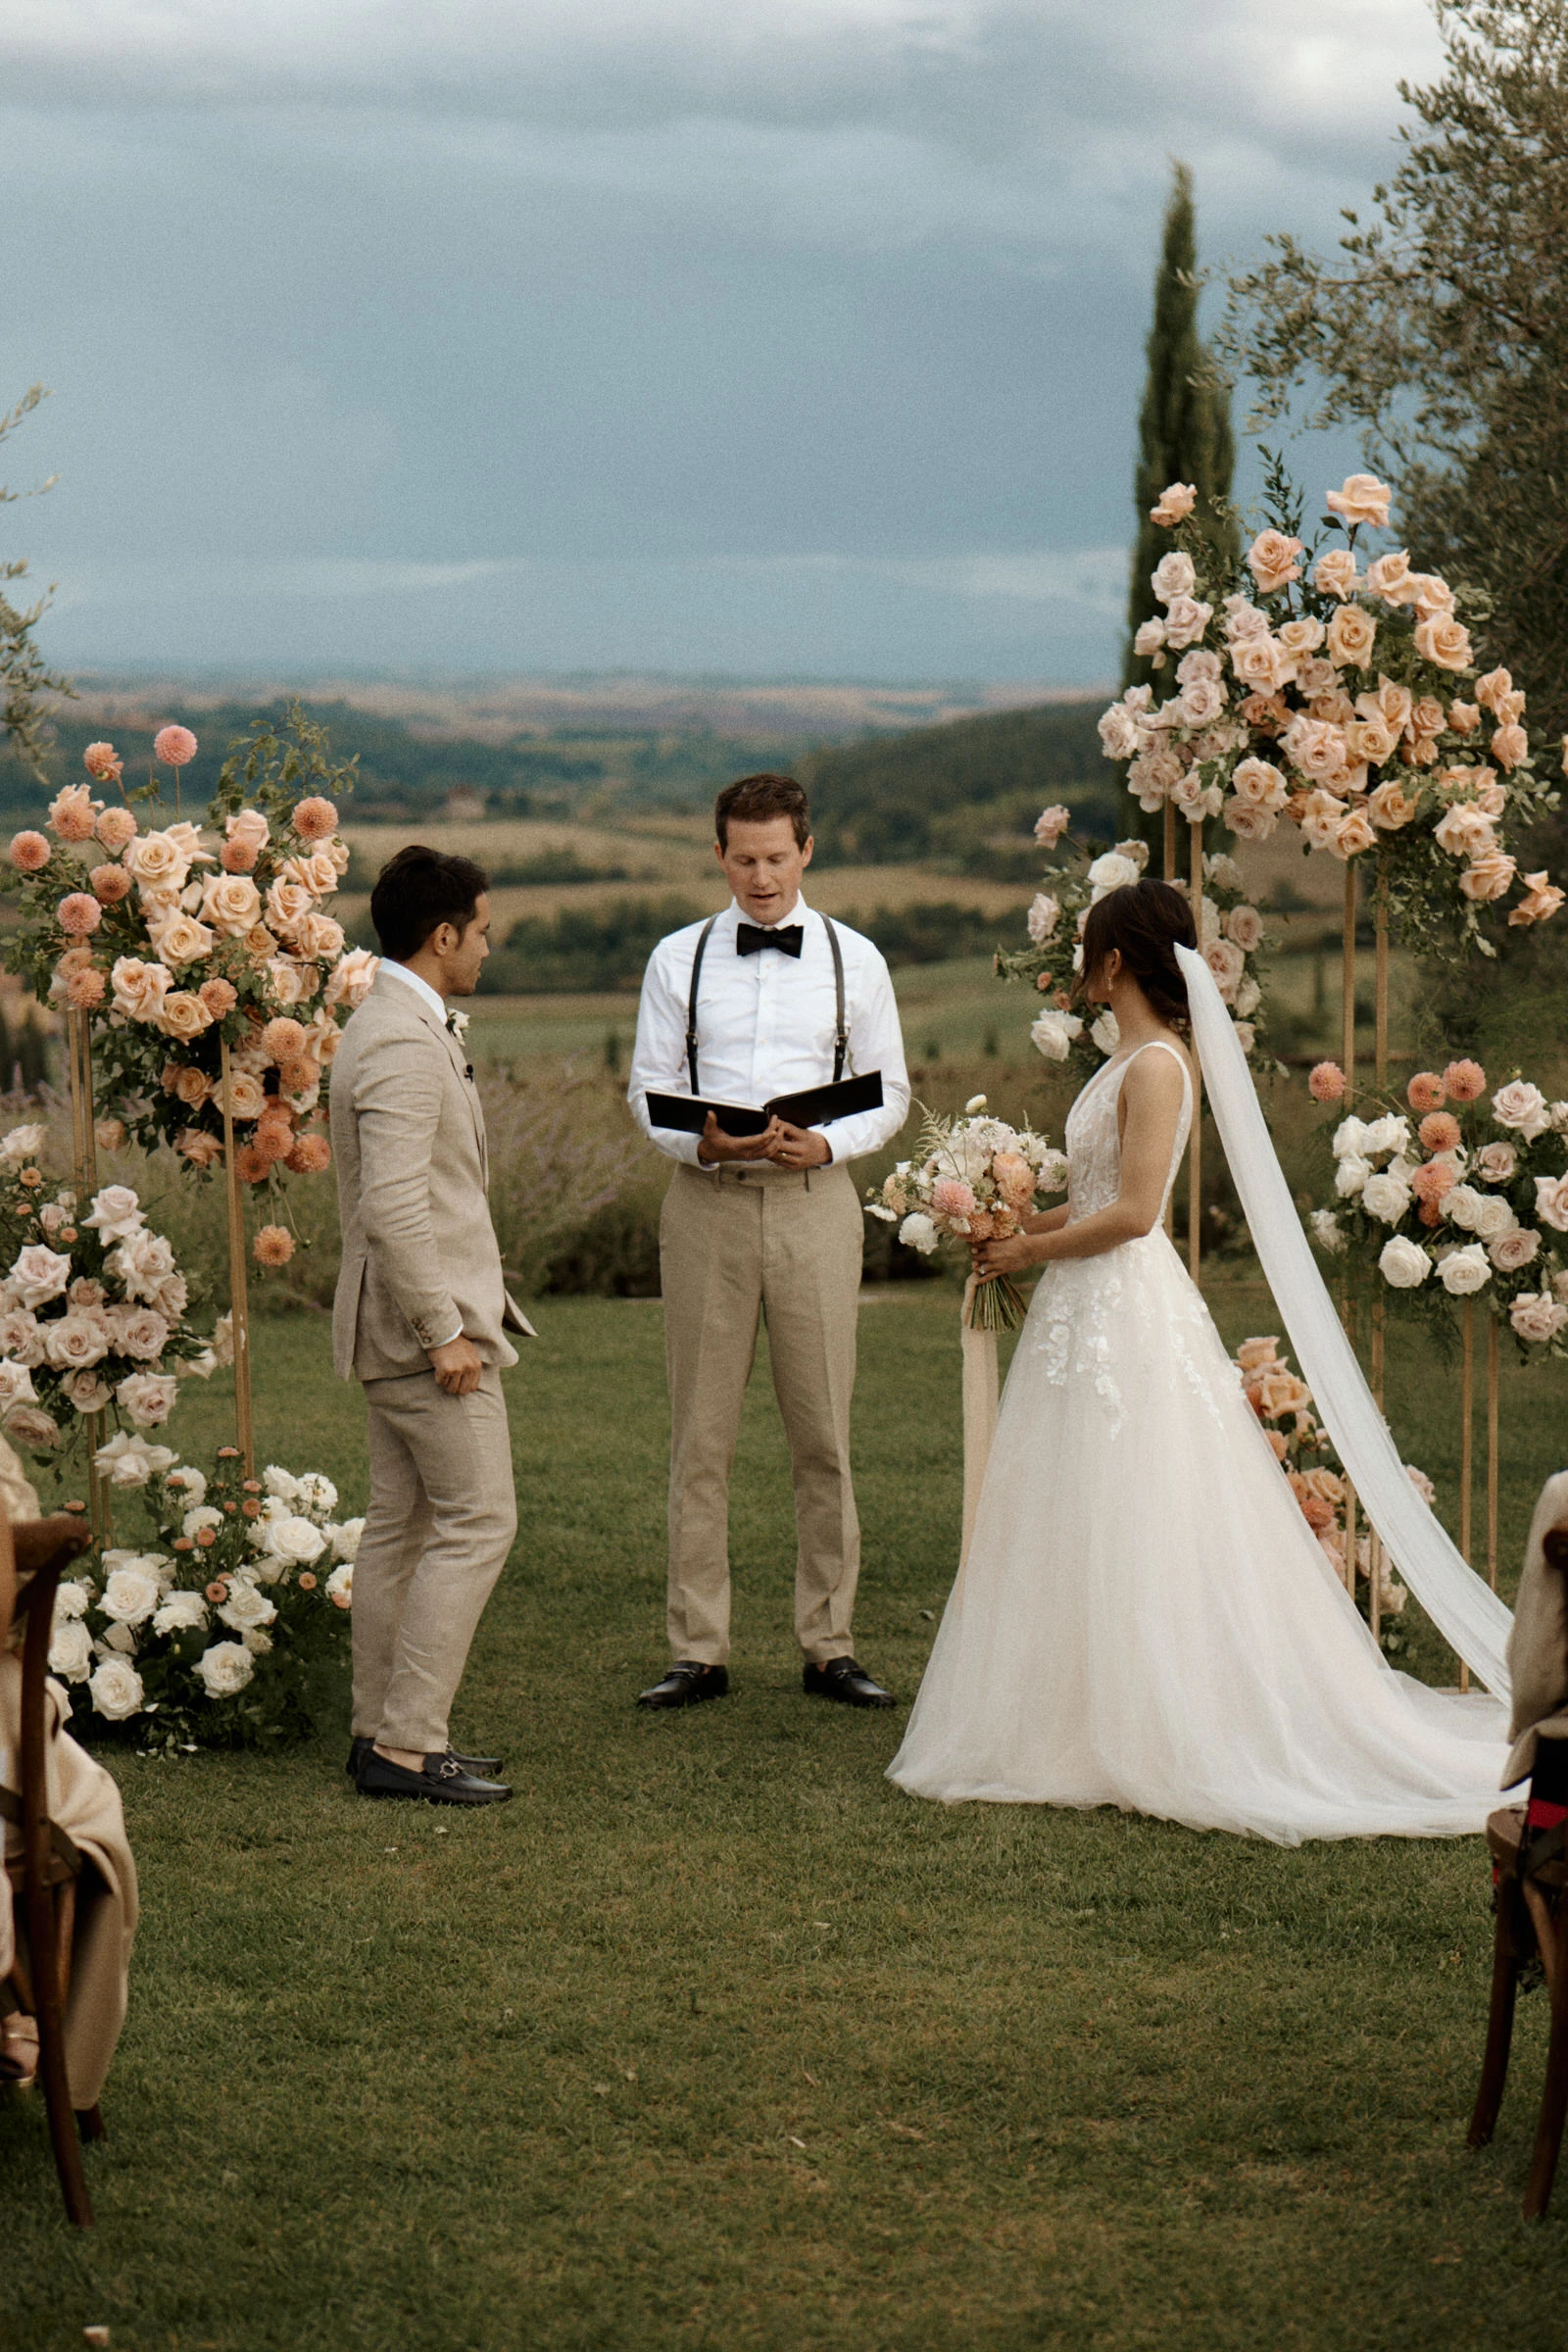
x: 238, y: 1298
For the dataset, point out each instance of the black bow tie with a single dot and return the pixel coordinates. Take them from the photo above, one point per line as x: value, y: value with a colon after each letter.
x: 748, y: 937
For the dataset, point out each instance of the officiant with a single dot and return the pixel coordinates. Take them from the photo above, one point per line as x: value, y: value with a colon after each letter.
x: 768, y: 998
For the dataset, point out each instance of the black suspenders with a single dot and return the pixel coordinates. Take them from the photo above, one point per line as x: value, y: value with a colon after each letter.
x: 840, y: 1034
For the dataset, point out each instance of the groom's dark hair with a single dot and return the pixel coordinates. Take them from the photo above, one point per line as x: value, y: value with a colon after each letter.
x: 1146, y: 923
x: 417, y: 890
x: 753, y: 800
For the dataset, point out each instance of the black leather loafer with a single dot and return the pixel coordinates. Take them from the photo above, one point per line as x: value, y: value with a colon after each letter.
x: 441, y: 1781
x: 687, y: 1684
x: 483, y: 1767
x: 842, y: 1678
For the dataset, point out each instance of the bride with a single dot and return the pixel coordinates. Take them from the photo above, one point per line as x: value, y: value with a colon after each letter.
x: 1145, y: 1618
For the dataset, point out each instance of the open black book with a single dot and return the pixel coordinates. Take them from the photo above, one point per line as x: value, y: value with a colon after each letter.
x: 812, y: 1107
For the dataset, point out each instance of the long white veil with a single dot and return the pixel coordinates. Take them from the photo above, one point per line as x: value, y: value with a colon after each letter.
x: 1465, y: 1611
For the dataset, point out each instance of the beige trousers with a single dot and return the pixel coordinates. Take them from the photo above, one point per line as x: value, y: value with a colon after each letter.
x: 737, y: 1244
x: 441, y: 1518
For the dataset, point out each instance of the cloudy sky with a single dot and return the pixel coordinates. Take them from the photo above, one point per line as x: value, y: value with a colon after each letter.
x: 761, y: 337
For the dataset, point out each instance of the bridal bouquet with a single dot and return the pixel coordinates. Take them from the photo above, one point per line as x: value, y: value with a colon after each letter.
x: 1452, y: 1196
x: 1229, y: 932
x: 1304, y: 1451
x: 172, y: 936
x: 975, y: 1179
x: 92, y: 1307
x: 226, y: 1628
x: 1346, y: 701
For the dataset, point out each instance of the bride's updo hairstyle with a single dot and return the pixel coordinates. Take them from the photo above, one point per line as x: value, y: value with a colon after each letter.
x: 1146, y: 923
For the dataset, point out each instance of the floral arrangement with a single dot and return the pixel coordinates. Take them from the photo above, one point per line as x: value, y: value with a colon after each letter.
x: 173, y: 936
x: 1304, y: 1451
x: 1229, y: 933
x: 975, y: 1179
x: 226, y: 1629
x: 1346, y: 701
x: 92, y: 1308
x: 1451, y: 1195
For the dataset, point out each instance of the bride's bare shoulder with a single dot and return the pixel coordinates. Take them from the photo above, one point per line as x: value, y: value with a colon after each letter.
x: 1154, y: 1068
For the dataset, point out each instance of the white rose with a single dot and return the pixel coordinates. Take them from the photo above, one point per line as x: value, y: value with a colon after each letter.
x: 1110, y: 872
x: 128, y: 1461
x: 21, y: 1335
x: 143, y: 1262
x: 190, y: 1485
x: 130, y: 1595
x: 1350, y: 1175
x: 38, y: 1275
x: 224, y: 1669
x: 1052, y: 1033
x: 916, y: 1233
x: 1385, y: 1198
x: 147, y: 1397
x: 1350, y: 1139
x: 115, y: 1214
x: 16, y: 1387
x: 116, y: 1642
x: 339, y: 1585
x: 295, y: 1540
x: 281, y: 1482
x: 1462, y: 1206
x: 181, y: 1613
x: 1494, y: 1218
x: 1174, y: 576
x: 1523, y: 1107
x: 1105, y: 1035
x: 1463, y: 1271
x: 70, y: 1651
x: 346, y: 1540
x: 71, y: 1598
x: 1390, y: 1134
x: 1404, y: 1263
x: 76, y: 1340
x: 1044, y: 916
x: 1249, y: 997
x: 316, y: 1495
x: 246, y: 1607
x: 1326, y: 1230
x: 115, y: 1690
x: 22, y: 1144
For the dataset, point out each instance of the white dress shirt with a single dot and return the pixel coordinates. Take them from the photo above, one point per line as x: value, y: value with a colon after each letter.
x: 438, y: 1005
x: 764, y: 1027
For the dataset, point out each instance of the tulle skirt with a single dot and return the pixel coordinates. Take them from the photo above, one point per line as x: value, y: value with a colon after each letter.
x: 1147, y: 1621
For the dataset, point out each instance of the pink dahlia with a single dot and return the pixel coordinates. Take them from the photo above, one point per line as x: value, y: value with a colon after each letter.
x: 309, y: 1155
x: 111, y: 884
x: 273, y: 1246
x: 1465, y: 1080
x: 1326, y: 1082
x: 314, y: 819
x: 950, y: 1197
x: 102, y: 762
x: 175, y: 746
x: 79, y: 914
x: 1439, y: 1131
x: 1426, y: 1092
x: 30, y: 853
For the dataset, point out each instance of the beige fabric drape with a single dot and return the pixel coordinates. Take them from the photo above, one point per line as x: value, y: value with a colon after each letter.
x: 980, y: 1398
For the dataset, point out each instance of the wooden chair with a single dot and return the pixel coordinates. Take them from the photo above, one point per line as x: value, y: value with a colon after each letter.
x: 1529, y: 1847
x: 42, y: 1878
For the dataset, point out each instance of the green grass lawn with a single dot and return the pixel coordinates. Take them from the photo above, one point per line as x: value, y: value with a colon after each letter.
x: 714, y: 2038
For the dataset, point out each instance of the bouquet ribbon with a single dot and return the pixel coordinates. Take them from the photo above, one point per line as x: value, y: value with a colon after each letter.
x: 979, y: 1346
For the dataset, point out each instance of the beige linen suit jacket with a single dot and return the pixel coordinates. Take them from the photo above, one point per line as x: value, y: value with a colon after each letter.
x: 1537, y: 1641
x: 420, y: 1252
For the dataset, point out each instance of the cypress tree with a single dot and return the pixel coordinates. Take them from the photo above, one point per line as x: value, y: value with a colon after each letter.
x: 1184, y: 427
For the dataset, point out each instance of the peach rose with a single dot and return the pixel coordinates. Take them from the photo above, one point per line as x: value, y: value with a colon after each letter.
x: 1300, y: 636
x: 1274, y: 561
x: 231, y: 903
x: 1389, y: 808
x: 316, y: 874
x: 184, y: 1016
x: 1464, y: 832
x: 1429, y: 594
x: 1336, y: 574
x: 192, y: 1086
x: 1489, y: 878
x: 1259, y: 782
x: 286, y: 902
x: 181, y: 940
x: 1353, y: 836
x: 250, y: 827
x: 1465, y: 1081
x: 1444, y: 641
x: 1280, y: 1392
x: 1248, y: 822
x: 1176, y: 501
x: 247, y: 1097
x: 1465, y: 717
x: 1536, y: 1317
x: 111, y: 884
x: 1510, y: 745
x: 1427, y: 716
x: 1353, y: 633
x: 157, y: 860
x: 349, y: 981
x: 318, y: 937
x: 1541, y: 902
x: 1245, y: 926
x: 1370, y: 740
x: 259, y: 945
x: 139, y: 988
x: 1363, y: 499
x: 116, y: 829
x: 1257, y: 662
x: 1228, y: 966
x: 199, y: 1147
x: 1389, y: 577
x: 73, y: 813
x: 1253, y: 1355
x: 1493, y: 689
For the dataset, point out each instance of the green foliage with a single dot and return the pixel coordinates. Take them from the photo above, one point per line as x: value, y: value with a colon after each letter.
x: 1440, y: 329
x: 25, y: 680
x: 1183, y: 426
x: 945, y: 791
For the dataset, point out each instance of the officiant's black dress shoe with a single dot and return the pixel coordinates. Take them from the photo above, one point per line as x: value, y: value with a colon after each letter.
x: 842, y: 1678
x: 687, y: 1683
x: 483, y: 1767
x: 441, y: 1781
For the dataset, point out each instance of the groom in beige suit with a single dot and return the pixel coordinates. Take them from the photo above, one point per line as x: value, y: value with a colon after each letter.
x: 420, y: 1318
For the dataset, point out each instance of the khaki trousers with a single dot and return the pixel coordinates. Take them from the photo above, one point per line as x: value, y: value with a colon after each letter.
x: 440, y: 1522
x: 737, y: 1244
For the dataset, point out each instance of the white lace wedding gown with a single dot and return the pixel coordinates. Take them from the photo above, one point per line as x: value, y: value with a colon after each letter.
x: 1145, y: 1618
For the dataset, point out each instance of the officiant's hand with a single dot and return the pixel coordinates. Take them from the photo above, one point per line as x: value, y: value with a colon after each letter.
x: 715, y: 1145
x: 798, y: 1147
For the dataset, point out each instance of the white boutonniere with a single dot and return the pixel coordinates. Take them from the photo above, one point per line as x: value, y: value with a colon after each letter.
x: 458, y: 1023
